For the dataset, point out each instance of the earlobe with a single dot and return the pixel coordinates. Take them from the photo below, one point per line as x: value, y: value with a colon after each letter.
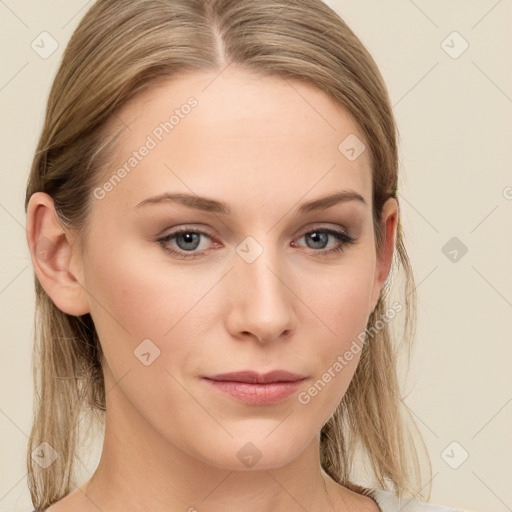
x: 384, y: 259
x: 52, y: 251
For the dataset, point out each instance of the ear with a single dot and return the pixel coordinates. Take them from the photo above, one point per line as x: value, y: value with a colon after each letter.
x: 384, y: 258
x: 53, y: 256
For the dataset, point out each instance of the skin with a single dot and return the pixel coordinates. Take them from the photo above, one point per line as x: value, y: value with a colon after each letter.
x: 264, y: 146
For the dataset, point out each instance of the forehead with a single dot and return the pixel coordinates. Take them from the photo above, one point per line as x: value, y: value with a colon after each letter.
x: 261, y: 136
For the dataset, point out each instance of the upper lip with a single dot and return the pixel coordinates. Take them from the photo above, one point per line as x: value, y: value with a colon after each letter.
x: 257, y: 378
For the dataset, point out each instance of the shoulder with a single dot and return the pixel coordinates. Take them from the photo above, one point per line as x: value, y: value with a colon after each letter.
x: 388, y: 502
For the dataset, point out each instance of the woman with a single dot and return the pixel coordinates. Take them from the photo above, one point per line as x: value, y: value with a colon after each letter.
x: 212, y: 217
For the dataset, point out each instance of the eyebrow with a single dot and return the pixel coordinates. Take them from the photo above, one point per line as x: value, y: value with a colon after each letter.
x: 222, y: 208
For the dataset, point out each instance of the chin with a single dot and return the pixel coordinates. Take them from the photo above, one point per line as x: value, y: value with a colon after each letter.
x: 252, y: 453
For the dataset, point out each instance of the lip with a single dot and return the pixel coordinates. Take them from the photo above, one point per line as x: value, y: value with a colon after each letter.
x: 255, y: 388
x: 253, y: 377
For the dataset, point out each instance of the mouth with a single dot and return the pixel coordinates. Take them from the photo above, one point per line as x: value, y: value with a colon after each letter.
x: 255, y: 388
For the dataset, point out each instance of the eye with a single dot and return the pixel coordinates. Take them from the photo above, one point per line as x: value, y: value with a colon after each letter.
x: 186, y: 240
x: 319, y: 239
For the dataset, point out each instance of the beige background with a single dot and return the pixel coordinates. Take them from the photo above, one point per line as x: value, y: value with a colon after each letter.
x: 455, y: 120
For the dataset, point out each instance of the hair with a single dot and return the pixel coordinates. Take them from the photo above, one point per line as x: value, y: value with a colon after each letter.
x: 121, y: 48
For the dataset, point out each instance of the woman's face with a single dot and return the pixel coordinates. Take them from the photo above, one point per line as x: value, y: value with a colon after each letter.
x: 259, y: 279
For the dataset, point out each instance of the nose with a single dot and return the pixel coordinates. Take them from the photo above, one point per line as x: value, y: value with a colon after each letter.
x: 262, y: 302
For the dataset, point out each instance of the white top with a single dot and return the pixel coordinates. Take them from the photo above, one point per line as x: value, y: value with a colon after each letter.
x: 388, y: 502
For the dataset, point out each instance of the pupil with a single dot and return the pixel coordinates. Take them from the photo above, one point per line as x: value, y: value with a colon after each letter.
x: 190, y: 238
x: 320, y: 238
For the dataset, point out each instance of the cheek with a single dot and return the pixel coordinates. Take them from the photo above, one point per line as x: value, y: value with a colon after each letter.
x: 341, y: 299
x: 128, y: 298
x: 131, y: 299
x: 135, y: 300
x: 342, y: 309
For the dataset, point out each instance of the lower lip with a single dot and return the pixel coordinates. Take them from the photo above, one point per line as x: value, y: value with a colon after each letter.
x: 257, y: 394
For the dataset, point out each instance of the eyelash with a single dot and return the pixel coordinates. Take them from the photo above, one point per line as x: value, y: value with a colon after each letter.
x: 344, y: 239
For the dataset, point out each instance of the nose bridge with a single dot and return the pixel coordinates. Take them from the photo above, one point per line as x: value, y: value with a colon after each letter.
x: 264, y: 303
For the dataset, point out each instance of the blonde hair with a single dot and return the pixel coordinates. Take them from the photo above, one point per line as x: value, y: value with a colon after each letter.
x: 123, y: 47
